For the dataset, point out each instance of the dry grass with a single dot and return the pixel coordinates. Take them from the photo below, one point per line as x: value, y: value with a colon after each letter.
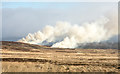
x: 46, y: 59
x: 47, y: 67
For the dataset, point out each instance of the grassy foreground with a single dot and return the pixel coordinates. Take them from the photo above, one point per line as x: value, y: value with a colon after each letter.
x: 22, y: 57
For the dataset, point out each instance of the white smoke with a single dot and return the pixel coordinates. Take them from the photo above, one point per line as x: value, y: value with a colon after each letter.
x: 65, y: 35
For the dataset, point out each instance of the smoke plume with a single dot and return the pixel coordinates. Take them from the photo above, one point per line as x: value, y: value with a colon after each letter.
x: 66, y: 35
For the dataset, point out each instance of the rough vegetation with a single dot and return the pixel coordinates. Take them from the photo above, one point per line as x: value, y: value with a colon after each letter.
x: 23, y: 57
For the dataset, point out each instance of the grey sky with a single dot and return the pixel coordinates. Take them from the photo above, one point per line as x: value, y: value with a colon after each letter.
x: 19, y: 19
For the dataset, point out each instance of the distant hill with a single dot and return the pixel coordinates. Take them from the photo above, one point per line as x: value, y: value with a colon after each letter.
x: 101, y: 45
x: 20, y: 46
x: 27, y: 47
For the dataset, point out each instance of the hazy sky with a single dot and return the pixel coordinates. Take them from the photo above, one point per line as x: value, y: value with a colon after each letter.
x: 21, y: 18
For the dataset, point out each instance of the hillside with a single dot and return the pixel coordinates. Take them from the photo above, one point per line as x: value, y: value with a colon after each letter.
x: 19, y: 46
x: 101, y: 45
x: 23, y: 57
